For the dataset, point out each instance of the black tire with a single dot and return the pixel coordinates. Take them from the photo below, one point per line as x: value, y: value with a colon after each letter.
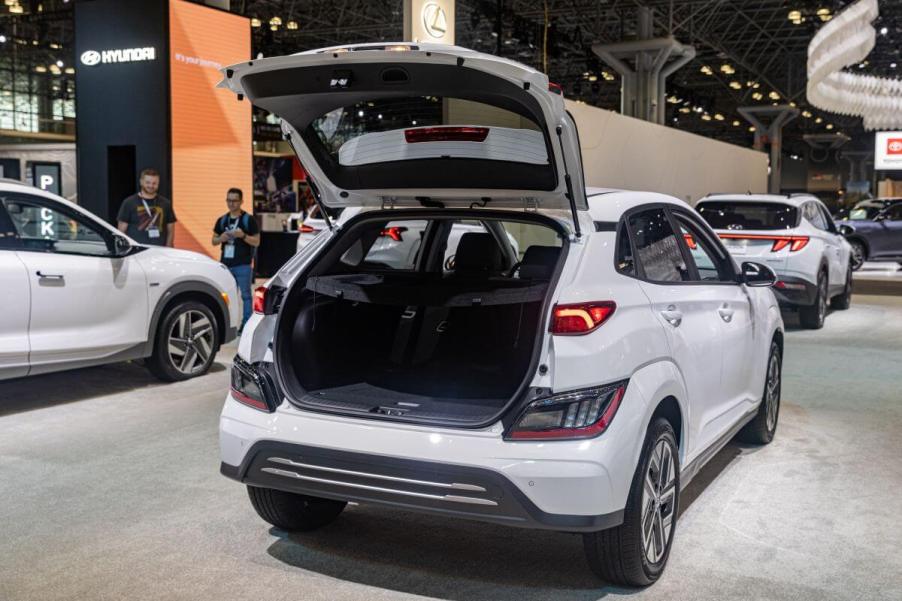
x: 812, y: 317
x: 293, y: 512
x: 203, y: 341
x: 618, y: 555
x: 844, y: 300
x: 762, y: 428
x: 858, y: 255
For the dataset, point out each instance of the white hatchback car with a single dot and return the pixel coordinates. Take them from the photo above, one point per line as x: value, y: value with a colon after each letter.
x: 796, y: 237
x: 576, y: 386
x: 76, y: 292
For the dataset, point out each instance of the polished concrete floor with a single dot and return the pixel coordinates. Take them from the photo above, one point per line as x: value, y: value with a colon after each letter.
x: 109, y: 489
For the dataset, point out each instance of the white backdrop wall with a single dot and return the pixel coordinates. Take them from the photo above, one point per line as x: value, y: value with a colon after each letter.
x: 64, y: 154
x: 627, y: 153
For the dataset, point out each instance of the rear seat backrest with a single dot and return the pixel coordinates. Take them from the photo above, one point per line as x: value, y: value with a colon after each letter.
x: 478, y: 254
x: 538, y: 262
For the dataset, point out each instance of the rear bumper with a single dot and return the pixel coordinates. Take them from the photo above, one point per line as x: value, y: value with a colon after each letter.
x: 794, y: 291
x: 422, y: 486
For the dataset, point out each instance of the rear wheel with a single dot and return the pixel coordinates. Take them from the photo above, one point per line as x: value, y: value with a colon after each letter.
x: 186, y: 342
x: 762, y: 428
x: 812, y: 317
x: 635, y: 553
x: 859, y: 254
x: 293, y: 512
x: 844, y: 300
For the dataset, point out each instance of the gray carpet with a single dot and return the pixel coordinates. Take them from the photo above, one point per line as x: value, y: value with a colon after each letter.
x: 109, y: 489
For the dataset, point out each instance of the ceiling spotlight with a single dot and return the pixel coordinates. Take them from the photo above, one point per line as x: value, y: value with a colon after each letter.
x: 274, y: 27
x: 806, y: 114
x: 824, y: 14
x: 751, y: 128
x: 593, y: 77
x: 685, y: 109
x: 70, y: 70
x: 275, y: 21
x: 735, y: 85
x: 829, y: 126
x: 55, y: 70
x: 16, y: 9
x: 718, y: 117
x: 255, y: 22
x: 607, y: 76
x: 292, y: 25
x: 2, y: 39
x: 792, y: 104
x: 40, y: 69
x: 59, y: 64
x: 735, y: 122
x: 727, y: 69
x: 818, y: 120
x: 706, y: 70
x: 774, y: 96
x: 706, y: 117
x: 892, y: 65
x: 757, y: 95
x: 884, y: 30
x: 794, y: 15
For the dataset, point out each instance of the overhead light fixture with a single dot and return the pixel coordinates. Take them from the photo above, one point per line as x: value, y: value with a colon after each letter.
x: 757, y: 95
x: 255, y: 22
x: 274, y: 27
x: 735, y: 85
x: 706, y: 70
x: 773, y: 95
x: 16, y: 9
x: 727, y: 69
x: 824, y: 14
x: 806, y: 114
x: 884, y: 30
x: 751, y: 128
x: 685, y: 109
x: 59, y: 64
x: 55, y: 69
x: 292, y: 25
x: 892, y: 65
x: 818, y: 120
x: 277, y: 21
x: 70, y: 70
x: 608, y: 76
x: 736, y: 123
x: 718, y: 117
x: 2, y: 39
x: 792, y: 104
x: 706, y: 117
x: 40, y: 69
x: 593, y: 77
x: 829, y: 126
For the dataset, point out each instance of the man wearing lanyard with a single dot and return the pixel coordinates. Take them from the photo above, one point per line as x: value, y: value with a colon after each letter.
x: 147, y: 217
x: 239, y: 236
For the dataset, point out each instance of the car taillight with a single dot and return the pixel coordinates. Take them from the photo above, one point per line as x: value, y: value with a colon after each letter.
x: 249, y: 387
x: 446, y: 134
x: 580, y: 318
x: 690, y: 241
x: 793, y: 242
x: 578, y: 414
x: 306, y: 229
x: 260, y: 300
x: 393, y: 232
x: 555, y: 88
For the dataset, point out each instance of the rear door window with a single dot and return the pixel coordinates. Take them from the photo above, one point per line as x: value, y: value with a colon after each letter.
x: 727, y: 215
x: 710, y: 261
x: 658, y: 251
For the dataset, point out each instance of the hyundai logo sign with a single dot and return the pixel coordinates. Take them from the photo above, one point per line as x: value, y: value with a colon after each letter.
x: 91, y: 58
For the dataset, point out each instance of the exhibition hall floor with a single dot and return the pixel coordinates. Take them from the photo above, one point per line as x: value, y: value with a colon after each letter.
x: 109, y: 489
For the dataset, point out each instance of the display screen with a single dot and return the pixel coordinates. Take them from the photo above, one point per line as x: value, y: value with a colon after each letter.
x: 211, y: 130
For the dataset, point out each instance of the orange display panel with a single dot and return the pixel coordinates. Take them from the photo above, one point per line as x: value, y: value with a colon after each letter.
x: 211, y: 130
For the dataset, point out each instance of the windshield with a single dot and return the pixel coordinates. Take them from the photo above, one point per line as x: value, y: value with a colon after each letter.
x: 727, y: 215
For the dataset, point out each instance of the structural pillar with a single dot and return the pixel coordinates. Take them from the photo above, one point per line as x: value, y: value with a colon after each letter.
x: 772, y: 132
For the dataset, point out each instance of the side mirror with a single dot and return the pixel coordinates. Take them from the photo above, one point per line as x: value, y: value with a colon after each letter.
x: 757, y: 275
x: 121, y: 246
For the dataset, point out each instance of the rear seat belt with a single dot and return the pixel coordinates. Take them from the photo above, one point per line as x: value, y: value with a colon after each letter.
x: 402, y: 335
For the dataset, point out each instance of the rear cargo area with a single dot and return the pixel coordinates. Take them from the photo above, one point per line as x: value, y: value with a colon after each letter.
x: 450, y: 346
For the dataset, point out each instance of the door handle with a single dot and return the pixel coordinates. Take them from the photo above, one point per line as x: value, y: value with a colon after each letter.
x: 726, y: 313
x: 50, y: 276
x: 673, y: 316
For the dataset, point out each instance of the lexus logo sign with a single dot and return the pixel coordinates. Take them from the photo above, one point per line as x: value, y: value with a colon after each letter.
x: 434, y: 20
x: 90, y: 58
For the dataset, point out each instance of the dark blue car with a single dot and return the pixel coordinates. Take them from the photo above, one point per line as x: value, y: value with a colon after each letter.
x: 879, y: 239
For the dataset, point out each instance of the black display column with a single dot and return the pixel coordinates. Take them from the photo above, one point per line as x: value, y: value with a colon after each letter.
x: 122, y: 99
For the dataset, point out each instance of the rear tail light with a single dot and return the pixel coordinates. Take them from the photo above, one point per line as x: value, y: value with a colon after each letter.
x: 580, y: 318
x: 260, y: 300
x: 555, y: 88
x: 306, y: 229
x: 249, y: 387
x: 393, y: 232
x: 446, y: 134
x: 690, y: 241
x: 579, y: 414
x: 798, y: 243
x: 780, y: 242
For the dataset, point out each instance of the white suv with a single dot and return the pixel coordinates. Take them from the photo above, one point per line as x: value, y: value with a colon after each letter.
x: 796, y: 237
x: 76, y: 292
x: 574, y: 385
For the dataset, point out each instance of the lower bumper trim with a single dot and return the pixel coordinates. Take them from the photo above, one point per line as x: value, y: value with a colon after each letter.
x: 415, y: 485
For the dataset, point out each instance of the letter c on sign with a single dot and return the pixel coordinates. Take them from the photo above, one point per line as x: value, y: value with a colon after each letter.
x: 90, y: 58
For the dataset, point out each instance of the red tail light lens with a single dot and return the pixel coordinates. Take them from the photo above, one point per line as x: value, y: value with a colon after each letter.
x: 555, y: 88
x: 306, y: 229
x: 780, y: 242
x: 446, y: 134
x: 579, y: 414
x: 248, y: 386
x: 690, y: 241
x: 394, y: 233
x: 260, y: 300
x: 798, y: 243
x: 580, y: 318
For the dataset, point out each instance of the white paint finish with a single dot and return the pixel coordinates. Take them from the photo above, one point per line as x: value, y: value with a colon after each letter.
x: 98, y: 308
x: 15, y: 300
x: 631, y: 154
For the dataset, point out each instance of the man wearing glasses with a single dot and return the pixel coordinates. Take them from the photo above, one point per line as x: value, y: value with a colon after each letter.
x: 239, y: 236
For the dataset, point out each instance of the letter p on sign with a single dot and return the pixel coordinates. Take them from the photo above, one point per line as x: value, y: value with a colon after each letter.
x: 46, y: 181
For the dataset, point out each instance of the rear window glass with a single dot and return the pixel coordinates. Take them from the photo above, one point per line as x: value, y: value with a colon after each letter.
x: 748, y: 215
x: 424, y: 127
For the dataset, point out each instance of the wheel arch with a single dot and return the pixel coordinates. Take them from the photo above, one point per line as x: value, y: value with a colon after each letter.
x: 184, y: 291
x: 861, y: 240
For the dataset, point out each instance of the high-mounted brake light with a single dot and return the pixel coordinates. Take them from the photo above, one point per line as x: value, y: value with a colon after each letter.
x: 260, y: 300
x: 446, y: 134
x: 578, y: 414
x: 581, y: 318
x: 555, y: 88
x: 393, y: 232
x: 780, y: 242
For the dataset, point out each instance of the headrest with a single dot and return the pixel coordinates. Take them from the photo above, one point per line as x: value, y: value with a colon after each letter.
x: 538, y: 262
x: 477, y: 253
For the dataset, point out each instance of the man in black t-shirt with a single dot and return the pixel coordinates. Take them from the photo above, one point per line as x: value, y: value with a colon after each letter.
x: 147, y: 217
x: 239, y: 236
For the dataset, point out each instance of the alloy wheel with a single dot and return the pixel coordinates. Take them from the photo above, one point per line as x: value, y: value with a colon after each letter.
x: 658, y: 502
x: 190, y: 342
x: 857, y: 256
x: 772, y: 392
x: 821, y: 299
